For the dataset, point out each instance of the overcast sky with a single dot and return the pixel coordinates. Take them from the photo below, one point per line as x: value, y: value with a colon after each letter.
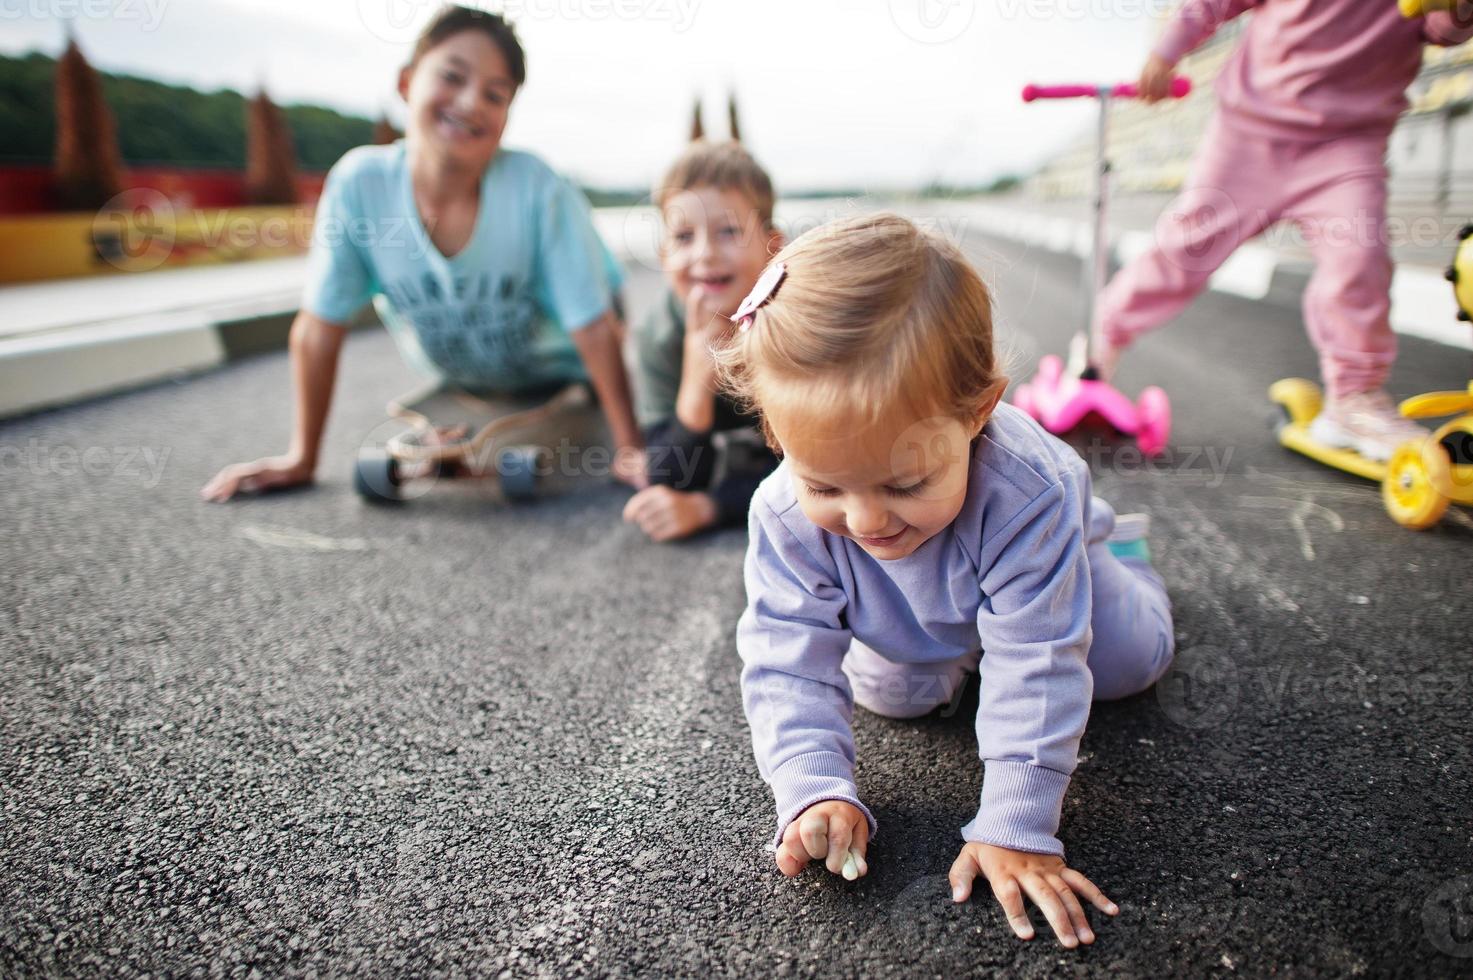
x: 872, y: 94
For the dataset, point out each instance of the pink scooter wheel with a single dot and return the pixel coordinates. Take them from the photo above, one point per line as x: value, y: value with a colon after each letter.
x: 1154, y: 429
x: 1050, y: 370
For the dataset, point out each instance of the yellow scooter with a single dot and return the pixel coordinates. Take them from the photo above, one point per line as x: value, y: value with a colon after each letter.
x: 1424, y: 475
x: 1411, y: 9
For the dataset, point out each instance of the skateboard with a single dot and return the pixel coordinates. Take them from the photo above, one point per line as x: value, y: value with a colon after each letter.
x: 1062, y: 397
x: 1422, y: 477
x: 457, y: 434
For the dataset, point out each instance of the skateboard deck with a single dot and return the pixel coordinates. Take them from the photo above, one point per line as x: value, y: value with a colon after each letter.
x: 527, y: 442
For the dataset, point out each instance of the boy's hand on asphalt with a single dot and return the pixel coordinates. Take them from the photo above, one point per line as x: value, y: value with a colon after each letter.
x: 631, y: 466
x: 446, y: 435
x: 1054, y: 887
x: 831, y: 831
x: 1155, y: 80
x: 666, y: 514
x: 271, y: 473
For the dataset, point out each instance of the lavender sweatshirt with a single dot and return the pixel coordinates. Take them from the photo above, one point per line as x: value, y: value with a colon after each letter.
x: 1315, y: 69
x: 1009, y: 576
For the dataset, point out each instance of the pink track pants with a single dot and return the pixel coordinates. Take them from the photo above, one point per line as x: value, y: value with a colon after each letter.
x: 1240, y: 184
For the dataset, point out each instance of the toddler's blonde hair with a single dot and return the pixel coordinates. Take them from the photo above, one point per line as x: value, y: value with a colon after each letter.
x: 875, y: 316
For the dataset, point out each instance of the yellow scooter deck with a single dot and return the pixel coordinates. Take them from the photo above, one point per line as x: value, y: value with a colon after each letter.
x: 1295, y: 436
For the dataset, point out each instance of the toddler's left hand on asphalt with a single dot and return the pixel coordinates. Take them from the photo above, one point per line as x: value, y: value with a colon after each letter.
x: 1054, y: 887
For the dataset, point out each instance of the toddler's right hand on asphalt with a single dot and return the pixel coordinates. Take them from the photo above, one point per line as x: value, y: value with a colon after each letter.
x: 1155, y: 80
x: 270, y: 473
x: 831, y: 831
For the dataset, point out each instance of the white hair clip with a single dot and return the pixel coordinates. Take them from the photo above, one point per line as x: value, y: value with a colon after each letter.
x: 767, y: 284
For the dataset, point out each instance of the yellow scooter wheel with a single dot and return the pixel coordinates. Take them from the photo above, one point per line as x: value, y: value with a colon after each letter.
x: 1410, y: 490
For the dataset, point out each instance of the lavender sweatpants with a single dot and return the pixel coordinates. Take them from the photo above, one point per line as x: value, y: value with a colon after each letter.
x: 1132, y: 647
x: 1240, y: 184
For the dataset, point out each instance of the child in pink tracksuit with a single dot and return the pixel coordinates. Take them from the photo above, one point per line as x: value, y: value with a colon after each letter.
x: 1306, y: 105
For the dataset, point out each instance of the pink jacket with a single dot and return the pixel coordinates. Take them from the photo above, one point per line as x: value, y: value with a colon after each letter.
x: 1315, y: 69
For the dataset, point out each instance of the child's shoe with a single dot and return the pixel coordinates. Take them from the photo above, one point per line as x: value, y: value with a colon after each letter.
x: 1366, y: 422
x: 1128, y: 540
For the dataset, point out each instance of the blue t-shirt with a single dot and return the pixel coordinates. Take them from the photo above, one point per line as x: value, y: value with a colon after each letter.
x: 498, y: 314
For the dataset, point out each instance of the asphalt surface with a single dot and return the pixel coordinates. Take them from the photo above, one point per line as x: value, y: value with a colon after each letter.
x: 301, y: 735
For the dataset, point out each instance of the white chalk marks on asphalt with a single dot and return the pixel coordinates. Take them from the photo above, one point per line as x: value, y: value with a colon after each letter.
x: 1300, y: 511
x: 294, y: 539
x: 1219, y: 564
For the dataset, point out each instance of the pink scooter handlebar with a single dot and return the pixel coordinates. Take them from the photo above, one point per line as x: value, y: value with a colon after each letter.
x: 1180, y: 86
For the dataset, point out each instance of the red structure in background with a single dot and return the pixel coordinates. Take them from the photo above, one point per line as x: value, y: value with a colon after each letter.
x: 89, y: 168
x: 384, y: 132
x: 88, y: 214
x: 32, y: 189
x: 271, y: 160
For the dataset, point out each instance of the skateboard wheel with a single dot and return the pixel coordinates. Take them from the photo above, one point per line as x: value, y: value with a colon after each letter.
x: 517, y: 468
x: 1300, y: 398
x: 1412, y: 489
x: 376, y: 476
x: 1153, y: 410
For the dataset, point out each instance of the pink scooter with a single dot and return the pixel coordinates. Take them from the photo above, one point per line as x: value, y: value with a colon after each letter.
x: 1062, y: 397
